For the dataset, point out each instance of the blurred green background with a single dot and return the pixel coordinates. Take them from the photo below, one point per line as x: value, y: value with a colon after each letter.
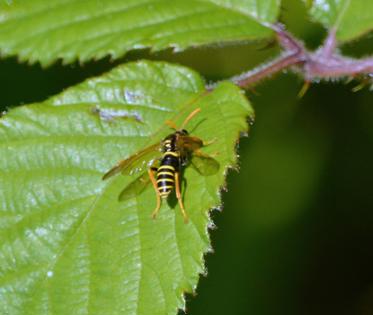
x: 296, y: 232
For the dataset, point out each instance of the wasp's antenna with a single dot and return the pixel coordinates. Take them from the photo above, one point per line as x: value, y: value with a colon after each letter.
x: 191, y: 115
x: 170, y: 124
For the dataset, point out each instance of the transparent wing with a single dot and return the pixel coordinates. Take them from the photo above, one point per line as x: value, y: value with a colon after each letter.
x: 190, y: 143
x: 136, y: 162
x: 204, y: 164
x: 135, y: 188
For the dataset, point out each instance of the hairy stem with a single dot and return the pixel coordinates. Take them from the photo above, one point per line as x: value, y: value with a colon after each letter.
x: 251, y: 77
x: 324, y: 63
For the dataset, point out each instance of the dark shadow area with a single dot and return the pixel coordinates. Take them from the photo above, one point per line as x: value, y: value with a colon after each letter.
x: 295, y: 234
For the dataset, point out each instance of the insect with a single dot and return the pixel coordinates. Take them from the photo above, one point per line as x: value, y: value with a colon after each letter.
x: 162, y: 165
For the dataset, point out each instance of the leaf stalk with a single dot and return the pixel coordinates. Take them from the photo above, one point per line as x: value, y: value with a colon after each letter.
x: 326, y: 63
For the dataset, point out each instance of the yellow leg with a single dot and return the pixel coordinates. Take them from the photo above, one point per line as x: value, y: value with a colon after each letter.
x: 179, y: 198
x: 154, y: 182
x: 206, y: 143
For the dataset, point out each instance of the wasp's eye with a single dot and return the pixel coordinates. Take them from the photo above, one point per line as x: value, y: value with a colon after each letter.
x: 184, y: 131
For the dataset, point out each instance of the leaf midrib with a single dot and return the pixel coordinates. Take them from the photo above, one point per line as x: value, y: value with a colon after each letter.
x: 341, y: 14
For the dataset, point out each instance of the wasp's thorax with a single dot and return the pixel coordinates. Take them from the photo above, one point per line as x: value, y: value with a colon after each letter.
x: 170, y: 142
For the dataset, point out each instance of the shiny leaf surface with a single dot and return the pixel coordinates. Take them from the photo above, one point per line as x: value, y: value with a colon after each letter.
x: 43, y: 31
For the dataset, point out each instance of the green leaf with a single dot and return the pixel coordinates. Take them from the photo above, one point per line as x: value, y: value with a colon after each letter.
x: 39, y: 30
x: 351, y: 18
x: 68, y: 246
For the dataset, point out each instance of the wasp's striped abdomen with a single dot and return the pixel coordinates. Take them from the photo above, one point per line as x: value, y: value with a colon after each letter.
x: 166, y: 173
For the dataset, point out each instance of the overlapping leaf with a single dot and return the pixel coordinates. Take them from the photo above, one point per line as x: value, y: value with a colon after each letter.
x: 38, y: 30
x: 67, y: 245
x: 351, y: 18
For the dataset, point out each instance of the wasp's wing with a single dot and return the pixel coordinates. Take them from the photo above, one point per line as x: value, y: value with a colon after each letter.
x: 190, y: 143
x: 135, y: 188
x: 204, y: 164
x: 136, y: 162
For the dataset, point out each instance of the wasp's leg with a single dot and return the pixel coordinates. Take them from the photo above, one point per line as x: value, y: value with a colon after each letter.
x: 194, y: 143
x: 206, y: 143
x: 179, y: 197
x: 154, y: 182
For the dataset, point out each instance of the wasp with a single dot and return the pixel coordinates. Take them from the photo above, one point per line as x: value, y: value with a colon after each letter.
x: 162, y: 164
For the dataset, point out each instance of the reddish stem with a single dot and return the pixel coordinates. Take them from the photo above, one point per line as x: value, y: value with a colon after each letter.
x: 324, y: 63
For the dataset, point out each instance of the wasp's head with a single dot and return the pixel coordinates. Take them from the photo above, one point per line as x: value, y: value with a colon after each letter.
x: 183, y: 132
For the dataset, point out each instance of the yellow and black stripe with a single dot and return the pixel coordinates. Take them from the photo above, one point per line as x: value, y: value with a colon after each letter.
x: 169, y: 165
